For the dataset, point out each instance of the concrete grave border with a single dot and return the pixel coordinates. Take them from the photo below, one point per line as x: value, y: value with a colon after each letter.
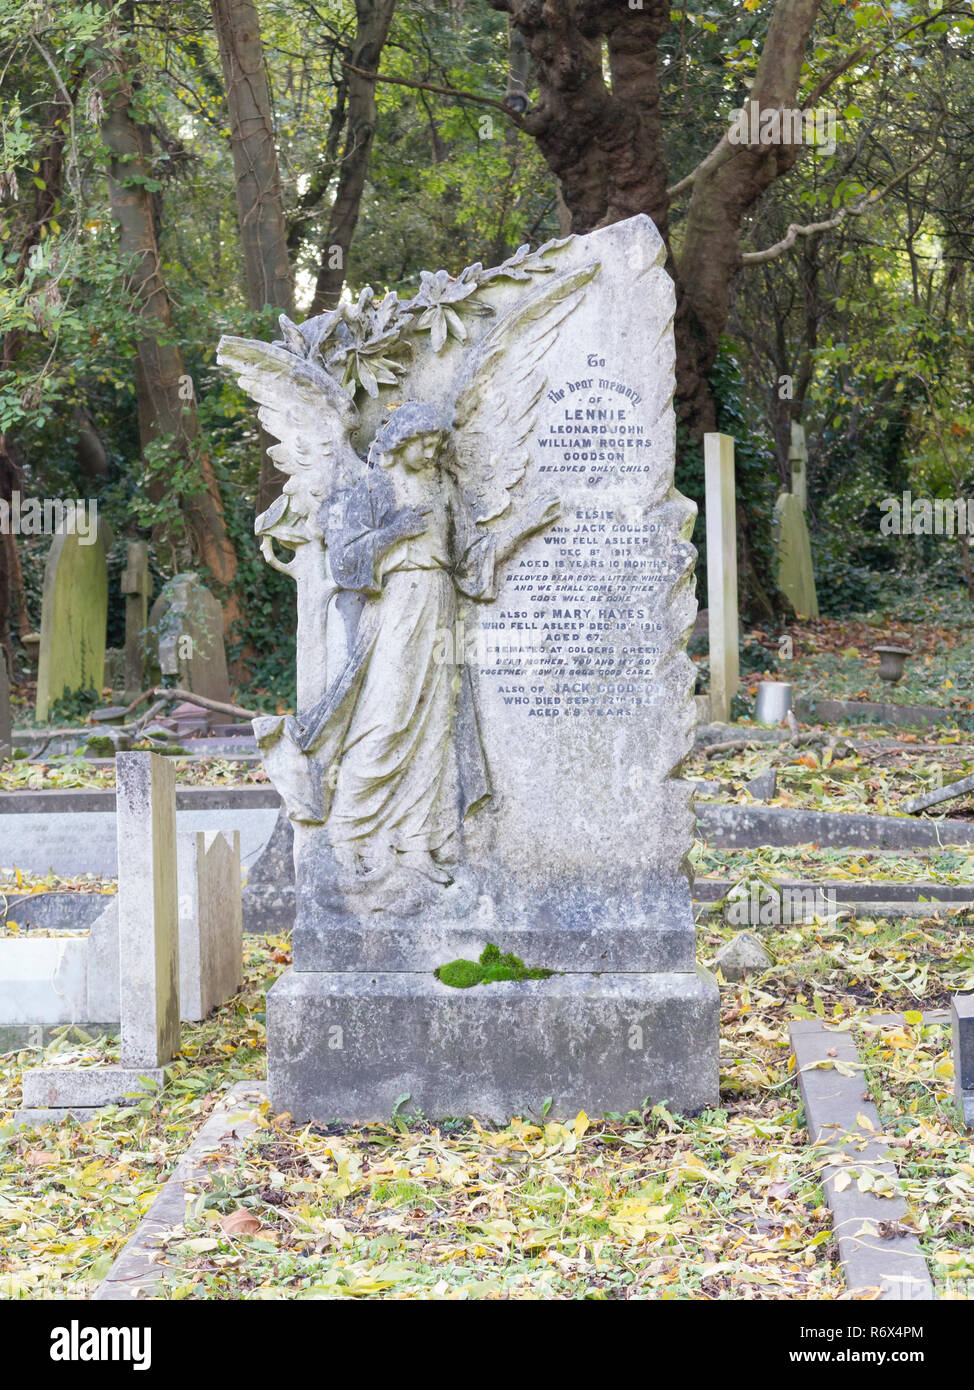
x: 833, y: 1104
x: 138, y: 1268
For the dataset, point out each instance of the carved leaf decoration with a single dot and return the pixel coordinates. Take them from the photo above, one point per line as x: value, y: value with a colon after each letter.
x: 304, y: 408
x: 503, y: 387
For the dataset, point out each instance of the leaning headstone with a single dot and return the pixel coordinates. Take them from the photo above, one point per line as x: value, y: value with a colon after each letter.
x: 6, y: 736
x: 721, y: 503
x: 798, y: 457
x: 74, y: 617
x: 962, y: 1036
x: 136, y: 585
x: 148, y: 947
x: 796, y: 578
x: 494, y: 695
x: 210, y: 920
x: 186, y: 638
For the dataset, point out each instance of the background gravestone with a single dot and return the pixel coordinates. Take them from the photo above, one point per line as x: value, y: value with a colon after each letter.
x: 796, y: 578
x: 578, y: 710
x: 136, y: 585
x: 74, y: 617
x: 186, y: 637
x: 721, y: 503
x: 6, y: 738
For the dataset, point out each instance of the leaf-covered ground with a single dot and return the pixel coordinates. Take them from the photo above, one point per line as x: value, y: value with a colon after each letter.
x: 726, y: 1205
x: 909, y: 1073
x: 834, y: 658
x: 871, y: 774
x: 73, y: 772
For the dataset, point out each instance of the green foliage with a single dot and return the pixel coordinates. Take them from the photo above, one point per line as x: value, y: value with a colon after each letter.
x: 754, y: 473
x: 492, y: 968
x: 73, y: 707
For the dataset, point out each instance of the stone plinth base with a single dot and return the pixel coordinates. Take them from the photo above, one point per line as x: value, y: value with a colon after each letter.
x: 347, y: 1046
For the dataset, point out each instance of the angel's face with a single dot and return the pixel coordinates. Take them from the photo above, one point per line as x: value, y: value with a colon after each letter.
x: 418, y: 454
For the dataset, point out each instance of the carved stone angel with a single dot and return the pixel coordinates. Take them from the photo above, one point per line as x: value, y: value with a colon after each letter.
x: 385, y: 754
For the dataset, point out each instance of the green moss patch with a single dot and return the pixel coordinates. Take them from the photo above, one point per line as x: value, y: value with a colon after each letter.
x: 489, y: 970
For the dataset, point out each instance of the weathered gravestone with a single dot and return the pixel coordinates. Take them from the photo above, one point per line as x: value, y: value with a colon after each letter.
x: 721, y: 504
x: 6, y: 737
x: 796, y: 578
x: 137, y: 588
x: 186, y: 637
x: 493, y: 692
x: 74, y: 617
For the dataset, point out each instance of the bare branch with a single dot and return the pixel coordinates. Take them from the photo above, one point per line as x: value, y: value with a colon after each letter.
x: 443, y: 91
x: 855, y: 209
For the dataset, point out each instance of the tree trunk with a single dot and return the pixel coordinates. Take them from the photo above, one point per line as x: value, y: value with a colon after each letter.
x: 372, y: 28
x: 161, y: 380
x: 260, y: 202
x: 605, y: 146
x: 46, y: 194
x: 727, y: 185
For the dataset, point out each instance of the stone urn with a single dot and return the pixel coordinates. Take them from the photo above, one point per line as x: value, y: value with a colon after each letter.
x: 891, y: 661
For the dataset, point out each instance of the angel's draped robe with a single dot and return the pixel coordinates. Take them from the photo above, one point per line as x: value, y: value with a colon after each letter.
x: 396, y: 738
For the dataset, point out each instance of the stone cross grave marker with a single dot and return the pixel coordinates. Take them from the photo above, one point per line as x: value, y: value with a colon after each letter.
x: 494, y: 595
x: 721, y: 506
x: 74, y: 617
x: 798, y: 455
x: 137, y: 587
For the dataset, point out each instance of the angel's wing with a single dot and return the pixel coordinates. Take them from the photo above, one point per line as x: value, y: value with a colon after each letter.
x: 502, y: 388
x: 303, y: 407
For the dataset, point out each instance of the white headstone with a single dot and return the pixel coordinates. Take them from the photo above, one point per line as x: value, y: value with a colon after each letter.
x: 210, y: 920
x: 721, y: 498
x: 148, y: 923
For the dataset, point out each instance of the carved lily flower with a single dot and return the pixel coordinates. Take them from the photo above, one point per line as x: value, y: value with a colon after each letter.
x: 437, y: 295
